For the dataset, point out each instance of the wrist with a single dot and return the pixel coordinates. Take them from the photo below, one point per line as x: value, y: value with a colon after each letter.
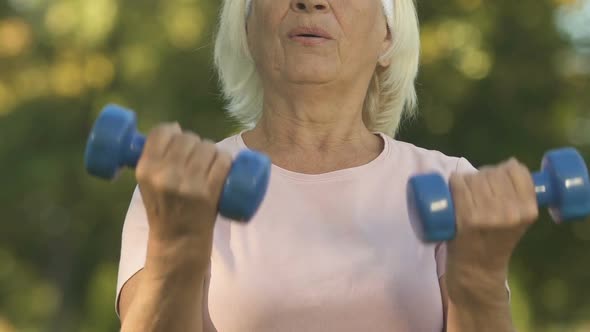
x: 473, y: 286
x: 180, y: 255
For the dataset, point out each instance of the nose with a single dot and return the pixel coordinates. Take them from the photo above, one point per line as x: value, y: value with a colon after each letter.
x: 310, y: 6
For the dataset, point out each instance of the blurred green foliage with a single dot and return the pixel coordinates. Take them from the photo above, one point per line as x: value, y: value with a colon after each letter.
x: 498, y: 79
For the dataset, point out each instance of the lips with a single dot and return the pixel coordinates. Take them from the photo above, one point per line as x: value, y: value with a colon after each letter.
x: 309, y: 32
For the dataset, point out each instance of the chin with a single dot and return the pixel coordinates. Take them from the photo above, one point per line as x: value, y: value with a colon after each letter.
x: 311, y: 76
x: 309, y: 81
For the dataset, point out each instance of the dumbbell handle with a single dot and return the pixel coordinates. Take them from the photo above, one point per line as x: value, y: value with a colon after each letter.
x: 132, y: 153
x: 134, y: 150
x: 542, y: 188
x: 115, y: 143
x: 562, y: 185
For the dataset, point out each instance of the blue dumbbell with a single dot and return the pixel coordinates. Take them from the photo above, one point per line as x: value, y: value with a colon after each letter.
x: 562, y: 185
x: 114, y: 143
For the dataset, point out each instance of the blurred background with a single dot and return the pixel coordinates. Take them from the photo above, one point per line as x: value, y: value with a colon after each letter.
x: 498, y: 79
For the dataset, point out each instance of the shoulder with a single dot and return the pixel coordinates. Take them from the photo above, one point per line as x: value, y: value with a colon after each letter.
x: 417, y: 159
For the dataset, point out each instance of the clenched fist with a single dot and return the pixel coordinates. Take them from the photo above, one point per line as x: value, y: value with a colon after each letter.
x: 494, y: 208
x: 180, y: 178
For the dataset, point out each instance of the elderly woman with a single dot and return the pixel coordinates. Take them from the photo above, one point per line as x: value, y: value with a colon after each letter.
x: 320, y: 86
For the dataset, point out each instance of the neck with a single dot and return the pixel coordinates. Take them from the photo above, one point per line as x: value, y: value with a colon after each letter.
x: 314, y: 125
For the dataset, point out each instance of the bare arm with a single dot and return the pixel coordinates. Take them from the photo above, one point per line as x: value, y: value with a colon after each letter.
x: 165, y: 296
x: 486, y: 309
x: 180, y: 178
x: 494, y: 209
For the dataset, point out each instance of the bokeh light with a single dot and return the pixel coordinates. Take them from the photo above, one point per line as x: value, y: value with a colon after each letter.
x: 184, y: 25
x: 497, y: 79
x: 15, y: 37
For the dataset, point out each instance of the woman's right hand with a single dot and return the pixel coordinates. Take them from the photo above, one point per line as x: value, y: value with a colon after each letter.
x: 181, y: 178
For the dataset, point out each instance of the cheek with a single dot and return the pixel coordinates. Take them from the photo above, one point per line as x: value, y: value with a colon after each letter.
x: 265, y: 48
x: 263, y: 30
x: 361, y: 31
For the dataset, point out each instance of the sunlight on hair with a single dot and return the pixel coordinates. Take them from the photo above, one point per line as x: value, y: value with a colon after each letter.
x: 391, y: 93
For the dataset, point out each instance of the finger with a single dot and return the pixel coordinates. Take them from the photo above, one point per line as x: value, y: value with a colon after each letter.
x: 521, y: 178
x: 201, y: 157
x: 523, y: 185
x: 212, y: 155
x: 180, y: 147
x: 505, y: 205
x: 500, y: 185
x: 463, y: 199
x: 159, y: 138
x: 219, y: 172
x: 480, y: 188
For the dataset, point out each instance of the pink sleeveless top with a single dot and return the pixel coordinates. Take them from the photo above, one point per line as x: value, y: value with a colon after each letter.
x: 328, y: 252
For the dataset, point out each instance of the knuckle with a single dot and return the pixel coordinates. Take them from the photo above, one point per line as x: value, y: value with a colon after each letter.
x: 175, y: 141
x: 224, y: 162
x: 472, y: 219
x: 166, y: 181
x: 165, y: 128
x: 511, y: 162
x: 141, y: 176
x: 199, y: 159
x: 220, y: 170
x: 518, y: 168
x: 512, y: 214
x: 531, y: 211
x: 144, y: 169
x: 208, y: 146
x: 490, y: 176
x: 495, y: 218
x: 190, y: 190
x: 190, y: 136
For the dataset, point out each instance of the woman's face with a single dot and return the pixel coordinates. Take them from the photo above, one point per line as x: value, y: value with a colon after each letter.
x: 317, y: 41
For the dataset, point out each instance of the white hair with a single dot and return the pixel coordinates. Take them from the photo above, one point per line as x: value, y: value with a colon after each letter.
x: 391, y: 93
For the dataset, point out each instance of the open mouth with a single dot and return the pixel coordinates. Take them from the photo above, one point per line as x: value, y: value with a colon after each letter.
x: 306, y: 35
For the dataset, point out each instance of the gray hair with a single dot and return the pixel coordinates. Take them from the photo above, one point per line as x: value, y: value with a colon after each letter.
x: 391, y: 92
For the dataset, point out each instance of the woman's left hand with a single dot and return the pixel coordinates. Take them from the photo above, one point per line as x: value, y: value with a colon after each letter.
x: 494, y: 208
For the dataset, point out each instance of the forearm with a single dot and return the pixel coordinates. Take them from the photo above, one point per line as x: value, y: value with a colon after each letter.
x: 490, y: 318
x: 170, y: 294
x: 478, y: 302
